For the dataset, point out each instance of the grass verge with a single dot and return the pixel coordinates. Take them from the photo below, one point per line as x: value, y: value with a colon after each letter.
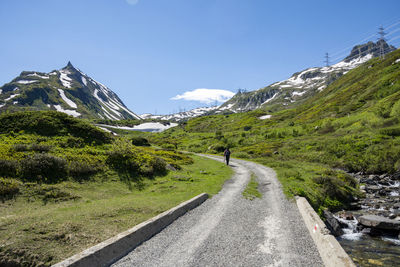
x: 251, y: 191
x: 35, y: 231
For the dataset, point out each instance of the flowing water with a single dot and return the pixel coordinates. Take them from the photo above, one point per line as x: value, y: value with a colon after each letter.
x: 382, y: 196
x: 366, y: 250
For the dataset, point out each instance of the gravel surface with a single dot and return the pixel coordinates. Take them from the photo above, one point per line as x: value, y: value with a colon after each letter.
x: 228, y: 230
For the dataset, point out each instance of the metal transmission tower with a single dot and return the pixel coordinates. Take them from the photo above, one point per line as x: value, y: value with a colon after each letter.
x: 381, y: 38
x: 327, y: 59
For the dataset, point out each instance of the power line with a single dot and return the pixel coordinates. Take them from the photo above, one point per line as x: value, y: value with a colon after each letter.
x: 341, y: 51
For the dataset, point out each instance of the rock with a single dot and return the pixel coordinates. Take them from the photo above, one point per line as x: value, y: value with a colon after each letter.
x: 379, y: 222
x: 392, y: 216
x: 372, y: 188
x: 366, y: 231
x: 170, y: 167
x: 355, y: 205
x: 346, y: 215
x: 384, y: 182
x: 332, y: 224
x: 383, y: 192
x: 396, y: 176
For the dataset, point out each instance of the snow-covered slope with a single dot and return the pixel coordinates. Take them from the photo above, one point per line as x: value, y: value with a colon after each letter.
x: 304, y: 84
x: 68, y: 90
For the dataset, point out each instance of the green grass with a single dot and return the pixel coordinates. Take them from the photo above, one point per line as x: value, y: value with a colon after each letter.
x: 251, y: 191
x: 33, y: 230
x: 351, y: 126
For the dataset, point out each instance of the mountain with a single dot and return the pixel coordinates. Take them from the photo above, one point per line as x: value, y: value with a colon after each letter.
x: 181, y: 116
x: 302, y: 85
x: 67, y: 90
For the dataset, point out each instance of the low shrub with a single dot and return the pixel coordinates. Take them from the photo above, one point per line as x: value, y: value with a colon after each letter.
x: 32, y: 147
x: 43, y: 168
x: 140, y: 141
x: 123, y: 162
x: 20, y: 147
x: 81, y: 170
x: 8, y: 188
x: 218, y: 148
x: 39, y: 148
x: 159, y: 165
x: 167, y: 146
x: 8, y: 168
x: 394, y: 131
x: 73, y: 142
x: 242, y: 155
x: 48, y: 193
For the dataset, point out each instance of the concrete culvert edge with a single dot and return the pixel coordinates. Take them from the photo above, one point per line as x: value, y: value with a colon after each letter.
x: 109, y: 251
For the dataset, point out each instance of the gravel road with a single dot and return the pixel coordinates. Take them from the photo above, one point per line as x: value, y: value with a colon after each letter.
x: 228, y: 230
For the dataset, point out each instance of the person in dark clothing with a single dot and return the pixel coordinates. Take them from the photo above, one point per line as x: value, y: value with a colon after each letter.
x: 227, y: 155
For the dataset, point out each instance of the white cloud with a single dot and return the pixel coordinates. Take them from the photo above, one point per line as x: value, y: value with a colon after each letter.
x: 204, y: 95
x: 132, y: 2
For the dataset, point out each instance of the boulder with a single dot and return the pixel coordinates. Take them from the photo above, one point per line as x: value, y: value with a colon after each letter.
x: 372, y: 188
x: 379, y: 222
x: 332, y: 224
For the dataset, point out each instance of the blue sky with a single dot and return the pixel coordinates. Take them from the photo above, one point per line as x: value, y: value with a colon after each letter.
x: 150, y: 51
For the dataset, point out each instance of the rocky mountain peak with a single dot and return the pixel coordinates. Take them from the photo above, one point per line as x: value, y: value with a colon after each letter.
x: 369, y: 48
x: 66, y: 90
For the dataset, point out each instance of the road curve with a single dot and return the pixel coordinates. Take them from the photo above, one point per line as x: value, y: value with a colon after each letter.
x: 228, y: 230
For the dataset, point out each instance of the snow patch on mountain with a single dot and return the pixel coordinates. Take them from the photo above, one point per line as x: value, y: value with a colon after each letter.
x: 66, y: 99
x: 39, y: 76
x: 298, y: 93
x: 144, y: 127
x: 265, y: 117
x: 65, y: 80
x: 27, y: 81
x: 270, y: 99
x: 84, y: 80
x: 11, y: 97
x: 67, y: 111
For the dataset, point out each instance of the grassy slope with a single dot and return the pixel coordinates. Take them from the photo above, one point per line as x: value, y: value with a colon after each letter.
x: 352, y: 125
x: 47, y: 232
x: 66, y: 185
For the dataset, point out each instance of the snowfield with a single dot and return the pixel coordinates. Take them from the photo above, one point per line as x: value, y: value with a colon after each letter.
x: 39, y: 76
x: 11, y: 97
x: 144, y: 127
x: 65, y: 80
x: 67, y: 111
x: 84, y: 80
x: 66, y: 99
x: 27, y: 81
x: 265, y: 117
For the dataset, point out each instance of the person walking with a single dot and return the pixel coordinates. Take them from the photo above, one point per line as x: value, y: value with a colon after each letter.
x: 227, y: 155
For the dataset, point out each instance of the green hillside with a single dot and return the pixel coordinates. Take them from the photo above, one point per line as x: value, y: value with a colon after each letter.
x: 353, y: 125
x: 66, y: 185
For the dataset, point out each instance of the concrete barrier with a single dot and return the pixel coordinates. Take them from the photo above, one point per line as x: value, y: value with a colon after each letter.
x: 332, y: 254
x: 113, y: 249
